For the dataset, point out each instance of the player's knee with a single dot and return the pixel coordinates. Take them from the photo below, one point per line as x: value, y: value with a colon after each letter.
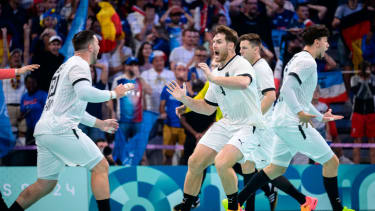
x: 332, y: 163
x: 221, y: 163
x: 195, y: 165
x: 248, y: 167
x: 101, y: 167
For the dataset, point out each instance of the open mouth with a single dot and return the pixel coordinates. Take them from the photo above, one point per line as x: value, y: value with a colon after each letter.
x: 216, y: 53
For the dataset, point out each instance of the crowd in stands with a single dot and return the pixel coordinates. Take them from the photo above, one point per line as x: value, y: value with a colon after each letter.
x: 162, y: 40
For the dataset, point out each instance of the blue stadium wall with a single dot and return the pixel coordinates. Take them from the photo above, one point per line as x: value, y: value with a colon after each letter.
x: 159, y: 188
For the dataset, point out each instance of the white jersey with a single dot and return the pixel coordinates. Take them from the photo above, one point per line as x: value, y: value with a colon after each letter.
x: 63, y: 110
x: 303, y: 68
x: 265, y: 83
x: 238, y: 106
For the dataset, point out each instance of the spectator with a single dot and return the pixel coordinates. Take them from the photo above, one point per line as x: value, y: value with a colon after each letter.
x: 325, y: 64
x: 368, y: 45
x: 252, y: 19
x: 172, y: 131
x: 195, y: 72
x: 184, y: 53
x: 95, y: 109
x: 344, y: 55
x: 281, y: 17
x: 363, y: 116
x: 32, y: 104
x: 156, y: 77
x: 143, y: 56
x: 302, y: 20
x: 159, y: 39
x: 14, y: 88
x: 16, y: 16
x: 178, y: 21
x: 129, y: 110
x: 49, y: 62
x: 142, y: 21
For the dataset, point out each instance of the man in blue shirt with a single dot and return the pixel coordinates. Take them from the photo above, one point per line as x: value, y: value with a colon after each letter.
x: 32, y: 104
x: 172, y: 131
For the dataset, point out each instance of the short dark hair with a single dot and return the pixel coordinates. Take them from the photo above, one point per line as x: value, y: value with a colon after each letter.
x: 304, y: 4
x: 149, y: 5
x: 30, y: 76
x: 230, y: 34
x: 188, y: 30
x: 82, y: 39
x: 310, y: 34
x: 253, y: 39
x: 201, y: 48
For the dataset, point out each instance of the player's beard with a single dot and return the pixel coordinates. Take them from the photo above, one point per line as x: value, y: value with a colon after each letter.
x: 94, y: 56
x: 223, y: 55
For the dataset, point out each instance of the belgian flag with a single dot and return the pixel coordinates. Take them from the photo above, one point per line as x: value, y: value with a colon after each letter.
x: 353, y: 28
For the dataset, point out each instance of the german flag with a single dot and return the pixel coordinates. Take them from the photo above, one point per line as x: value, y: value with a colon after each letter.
x: 111, y: 27
x: 353, y: 28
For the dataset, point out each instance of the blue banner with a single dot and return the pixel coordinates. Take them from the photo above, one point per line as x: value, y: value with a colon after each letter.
x: 159, y: 188
x: 78, y: 25
x: 7, y: 140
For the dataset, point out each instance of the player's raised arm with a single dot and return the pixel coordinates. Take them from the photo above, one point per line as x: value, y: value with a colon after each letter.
x: 199, y: 106
x: 231, y: 82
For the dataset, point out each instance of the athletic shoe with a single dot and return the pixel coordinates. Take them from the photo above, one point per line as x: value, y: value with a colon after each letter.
x: 181, y: 205
x: 347, y: 209
x: 225, y: 205
x: 310, y: 204
x: 272, y: 198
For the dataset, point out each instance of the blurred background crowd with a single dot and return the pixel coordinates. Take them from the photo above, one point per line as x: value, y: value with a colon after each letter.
x: 151, y: 42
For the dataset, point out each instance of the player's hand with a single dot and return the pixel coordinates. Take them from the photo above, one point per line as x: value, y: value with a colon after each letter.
x: 122, y: 89
x: 180, y: 110
x: 305, y: 118
x: 328, y: 116
x: 207, y: 71
x: 109, y: 125
x: 27, y: 68
x: 175, y: 90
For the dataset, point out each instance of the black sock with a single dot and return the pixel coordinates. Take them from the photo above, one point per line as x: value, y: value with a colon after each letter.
x: 330, y: 184
x: 103, y: 205
x: 238, y: 169
x: 266, y: 189
x: 255, y: 183
x: 16, y: 207
x: 250, y: 203
x: 188, y: 201
x: 3, y: 206
x: 233, y: 201
x: 283, y: 184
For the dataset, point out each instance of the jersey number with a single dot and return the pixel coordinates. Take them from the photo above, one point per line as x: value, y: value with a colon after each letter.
x: 52, y: 91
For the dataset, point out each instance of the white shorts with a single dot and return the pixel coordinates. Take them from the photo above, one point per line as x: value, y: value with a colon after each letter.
x: 308, y: 141
x: 72, y: 148
x: 240, y: 136
x: 262, y: 154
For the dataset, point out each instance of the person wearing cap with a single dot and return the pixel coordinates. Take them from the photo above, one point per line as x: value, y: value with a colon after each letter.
x: 156, y: 77
x: 49, y: 61
x: 130, y: 109
x: 175, y: 21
